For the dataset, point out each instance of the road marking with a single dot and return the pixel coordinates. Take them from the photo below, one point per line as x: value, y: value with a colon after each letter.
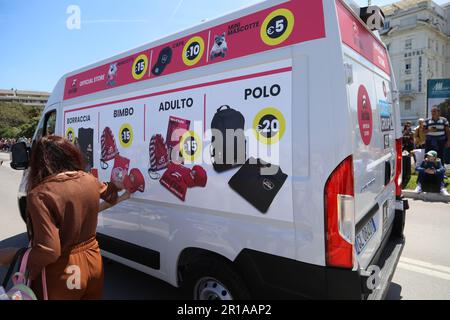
x: 426, y: 264
x: 425, y: 268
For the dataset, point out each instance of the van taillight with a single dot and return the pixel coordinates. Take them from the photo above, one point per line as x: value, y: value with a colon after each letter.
x: 398, y: 168
x: 340, y: 215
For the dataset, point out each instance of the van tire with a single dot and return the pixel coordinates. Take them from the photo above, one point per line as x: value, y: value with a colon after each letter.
x: 211, y: 271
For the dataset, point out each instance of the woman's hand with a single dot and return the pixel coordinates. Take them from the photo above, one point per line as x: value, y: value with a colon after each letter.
x: 105, y: 205
x: 7, y: 256
x: 125, y: 196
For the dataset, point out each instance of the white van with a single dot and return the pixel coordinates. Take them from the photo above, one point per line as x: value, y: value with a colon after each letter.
x: 310, y: 90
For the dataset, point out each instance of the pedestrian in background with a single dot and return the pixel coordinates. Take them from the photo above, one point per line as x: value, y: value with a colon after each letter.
x: 419, y: 135
x: 438, y: 133
x: 431, y: 171
x: 408, y: 138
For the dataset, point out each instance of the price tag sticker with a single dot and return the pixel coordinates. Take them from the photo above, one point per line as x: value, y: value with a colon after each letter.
x: 126, y: 135
x: 277, y: 27
x: 190, y: 146
x: 70, y: 135
x: 140, y: 66
x: 269, y: 126
x: 193, y: 51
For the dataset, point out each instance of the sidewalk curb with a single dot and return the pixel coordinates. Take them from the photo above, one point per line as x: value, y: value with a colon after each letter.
x: 424, y: 196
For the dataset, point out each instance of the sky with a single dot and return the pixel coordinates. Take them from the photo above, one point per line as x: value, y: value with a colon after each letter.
x: 37, y: 47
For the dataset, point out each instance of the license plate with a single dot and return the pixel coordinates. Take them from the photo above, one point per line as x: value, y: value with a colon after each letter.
x: 363, y: 237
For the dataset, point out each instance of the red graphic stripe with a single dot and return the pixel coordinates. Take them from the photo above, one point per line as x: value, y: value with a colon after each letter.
x: 208, y: 46
x: 204, y: 114
x: 145, y: 112
x: 98, y: 128
x: 196, y: 86
x: 357, y: 37
x: 150, y: 65
x: 242, y: 38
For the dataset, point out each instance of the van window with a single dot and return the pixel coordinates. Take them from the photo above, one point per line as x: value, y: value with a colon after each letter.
x: 47, y: 127
x: 50, y: 123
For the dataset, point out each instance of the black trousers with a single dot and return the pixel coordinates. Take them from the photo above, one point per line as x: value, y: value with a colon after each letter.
x: 436, y: 144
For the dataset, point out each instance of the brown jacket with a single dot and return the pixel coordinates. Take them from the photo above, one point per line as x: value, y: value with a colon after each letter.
x: 63, y: 211
x: 419, y: 136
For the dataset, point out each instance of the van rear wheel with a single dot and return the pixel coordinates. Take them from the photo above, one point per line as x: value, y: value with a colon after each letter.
x: 213, y: 279
x: 211, y: 289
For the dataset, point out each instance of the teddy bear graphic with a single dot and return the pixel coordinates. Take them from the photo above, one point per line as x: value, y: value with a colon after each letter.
x: 220, y: 47
x: 112, y: 74
x: 118, y: 176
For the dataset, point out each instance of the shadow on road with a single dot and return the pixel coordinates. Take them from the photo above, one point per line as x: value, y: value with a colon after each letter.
x: 121, y: 282
x: 394, y: 293
x: 124, y: 283
x: 18, y: 241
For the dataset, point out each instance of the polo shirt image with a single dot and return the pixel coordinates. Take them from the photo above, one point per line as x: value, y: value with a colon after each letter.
x: 258, y: 189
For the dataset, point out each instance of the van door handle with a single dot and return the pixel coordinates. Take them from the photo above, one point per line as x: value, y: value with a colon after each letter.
x: 387, y: 172
x: 348, y: 73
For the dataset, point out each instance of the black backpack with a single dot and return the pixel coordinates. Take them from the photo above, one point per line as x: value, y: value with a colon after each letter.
x: 86, y: 145
x: 227, y: 118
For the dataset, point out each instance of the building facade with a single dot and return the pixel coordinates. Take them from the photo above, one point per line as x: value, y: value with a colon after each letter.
x: 416, y: 34
x: 29, y: 98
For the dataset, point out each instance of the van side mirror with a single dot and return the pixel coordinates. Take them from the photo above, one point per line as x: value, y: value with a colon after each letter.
x: 20, y: 156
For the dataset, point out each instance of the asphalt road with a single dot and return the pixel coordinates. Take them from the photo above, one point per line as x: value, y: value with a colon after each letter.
x: 424, y: 268
x: 10, y: 222
x: 423, y: 271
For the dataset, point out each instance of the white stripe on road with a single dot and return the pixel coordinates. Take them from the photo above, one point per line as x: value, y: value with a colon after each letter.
x: 425, y: 268
x: 426, y: 264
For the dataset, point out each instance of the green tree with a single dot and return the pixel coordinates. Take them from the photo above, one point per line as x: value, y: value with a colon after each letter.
x: 444, y: 107
x: 18, y: 120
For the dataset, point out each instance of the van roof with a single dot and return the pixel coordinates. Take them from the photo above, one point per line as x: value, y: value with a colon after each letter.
x: 350, y: 4
x: 252, y: 24
x: 177, y: 34
x: 196, y: 47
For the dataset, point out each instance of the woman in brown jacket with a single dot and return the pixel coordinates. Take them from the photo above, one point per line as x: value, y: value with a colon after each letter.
x: 63, y: 203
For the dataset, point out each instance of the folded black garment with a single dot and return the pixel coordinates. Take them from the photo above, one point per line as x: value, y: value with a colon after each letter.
x: 86, y: 145
x: 164, y: 58
x: 258, y: 189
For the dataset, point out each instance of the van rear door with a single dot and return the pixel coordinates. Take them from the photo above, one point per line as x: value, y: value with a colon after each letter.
x: 374, y: 158
x: 369, y: 161
x: 370, y: 104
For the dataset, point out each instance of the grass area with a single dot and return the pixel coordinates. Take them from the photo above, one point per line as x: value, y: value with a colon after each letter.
x: 412, y: 183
